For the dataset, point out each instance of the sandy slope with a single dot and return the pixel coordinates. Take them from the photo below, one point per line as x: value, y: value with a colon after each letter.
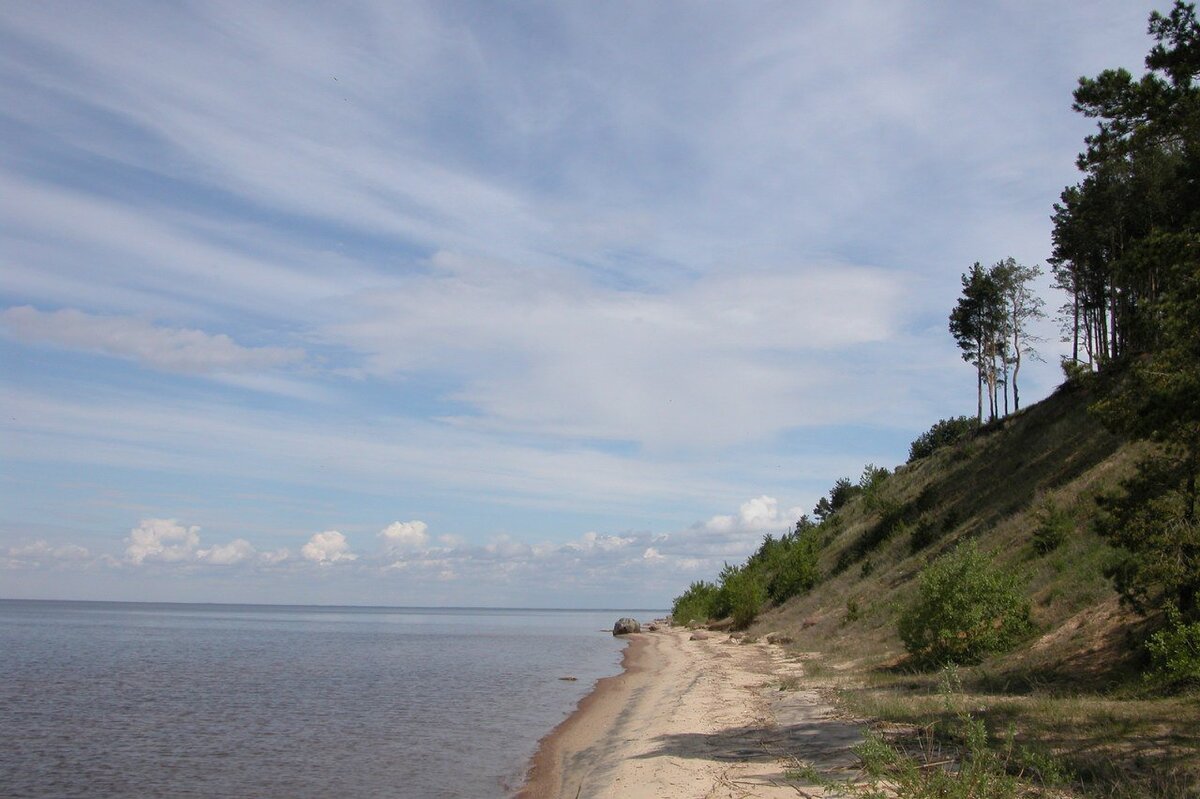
x: 693, y: 718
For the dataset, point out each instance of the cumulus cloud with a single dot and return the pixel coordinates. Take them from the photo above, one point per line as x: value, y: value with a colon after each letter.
x: 405, y: 536
x: 168, y: 541
x: 326, y: 548
x: 235, y: 551
x: 165, y: 348
x: 760, y: 514
x: 163, y: 540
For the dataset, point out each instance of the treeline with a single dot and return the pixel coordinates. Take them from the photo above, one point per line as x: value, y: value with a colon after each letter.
x: 1127, y: 251
x: 1125, y: 235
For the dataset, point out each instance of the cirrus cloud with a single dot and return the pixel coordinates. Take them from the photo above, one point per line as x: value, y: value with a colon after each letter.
x: 165, y: 348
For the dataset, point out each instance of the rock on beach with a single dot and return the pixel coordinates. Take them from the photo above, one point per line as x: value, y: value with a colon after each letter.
x: 626, y: 625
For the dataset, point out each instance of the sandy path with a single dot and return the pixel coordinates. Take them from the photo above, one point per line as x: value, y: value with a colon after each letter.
x: 695, y: 719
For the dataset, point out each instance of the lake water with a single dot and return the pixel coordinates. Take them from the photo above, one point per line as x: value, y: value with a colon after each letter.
x: 162, y: 700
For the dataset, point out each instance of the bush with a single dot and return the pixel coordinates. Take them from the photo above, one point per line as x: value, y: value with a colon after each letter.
x: 943, y: 433
x: 1054, y: 525
x: 1073, y: 371
x: 740, y: 597
x: 793, y: 568
x: 871, y: 483
x: 695, y: 604
x: 966, y: 609
x: 1175, y: 652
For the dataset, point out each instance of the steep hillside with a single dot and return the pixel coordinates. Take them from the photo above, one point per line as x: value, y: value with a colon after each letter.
x: 1071, y: 691
x: 994, y: 487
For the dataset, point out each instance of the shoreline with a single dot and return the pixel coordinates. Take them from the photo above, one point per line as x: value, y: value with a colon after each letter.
x: 544, y: 778
x: 694, y: 714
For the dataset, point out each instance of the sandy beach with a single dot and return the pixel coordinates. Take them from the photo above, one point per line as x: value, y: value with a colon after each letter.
x: 694, y: 715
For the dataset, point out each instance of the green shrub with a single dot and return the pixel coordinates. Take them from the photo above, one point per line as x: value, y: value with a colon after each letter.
x: 1054, y: 525
x: 1175, y: 652
x: 695, y: 604
x: 743, y: 594
x: 871, y: 483
x: 793, y: 568
x: 943, y: 433
x: 1073, y: 371
x: 966, y: 609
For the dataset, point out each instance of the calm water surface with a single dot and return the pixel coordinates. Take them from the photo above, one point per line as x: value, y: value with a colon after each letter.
x: 160, y: 700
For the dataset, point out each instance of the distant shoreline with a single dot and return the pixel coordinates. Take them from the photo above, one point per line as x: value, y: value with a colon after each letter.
x: 642, y: 612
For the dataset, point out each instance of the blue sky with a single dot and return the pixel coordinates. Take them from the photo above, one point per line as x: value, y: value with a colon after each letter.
x: 550, y: 304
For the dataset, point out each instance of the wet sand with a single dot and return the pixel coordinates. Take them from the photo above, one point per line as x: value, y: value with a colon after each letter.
x: 694, y: 716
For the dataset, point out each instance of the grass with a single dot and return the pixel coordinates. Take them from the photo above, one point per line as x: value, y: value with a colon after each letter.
x: 1100, y: 745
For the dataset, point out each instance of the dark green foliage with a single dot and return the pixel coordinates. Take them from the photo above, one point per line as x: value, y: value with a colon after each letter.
x: 1127, y: 251
x: 1148, y: 521
x: 924, y: 533
x: 741, y: 595
x: 793, y: 568
x: 695, y: 604
x: 965, y: 610
x: 1175, y: 652
x: 842, y: 492
x: 1054, y: 524
x: 1120, y: 234
x: 943, y: 433
x: 872, y: 478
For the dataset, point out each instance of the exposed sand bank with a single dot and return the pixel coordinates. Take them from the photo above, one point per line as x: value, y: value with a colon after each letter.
x: 693, y: 718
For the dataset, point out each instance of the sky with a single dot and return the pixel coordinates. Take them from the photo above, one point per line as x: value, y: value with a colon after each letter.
x: 464, y: 303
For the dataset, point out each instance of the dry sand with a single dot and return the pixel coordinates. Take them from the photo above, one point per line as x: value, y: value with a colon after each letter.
x: 694, y: 718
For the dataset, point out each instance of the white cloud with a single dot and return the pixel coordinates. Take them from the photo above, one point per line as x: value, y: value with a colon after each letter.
x: 405, y: 536
x: 505, y: 546
x: 235, y: 551
x: 760, y: 514
x: 168, y: 541
x: 327, y: 547
x: 274, y: 557
x: 595, y: 542
x: 161, y: 540
x: 168, y: 349
x: 40, y: 550
x: 713, y: 361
